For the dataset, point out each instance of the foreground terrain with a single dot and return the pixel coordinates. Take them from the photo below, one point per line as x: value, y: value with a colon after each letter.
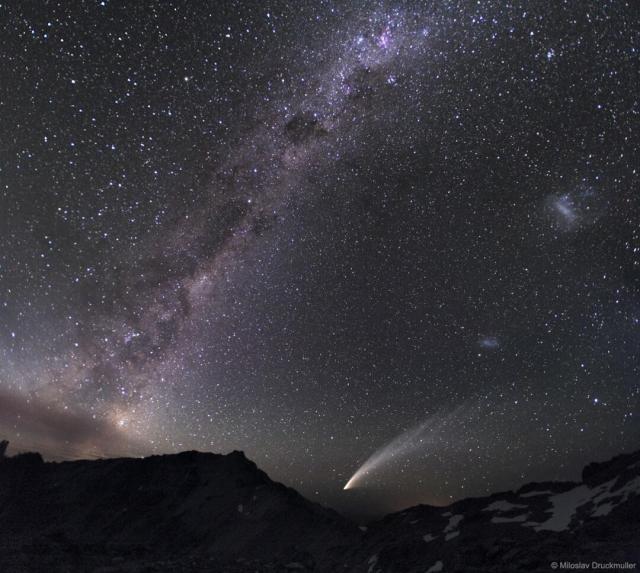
x: 206, y: 512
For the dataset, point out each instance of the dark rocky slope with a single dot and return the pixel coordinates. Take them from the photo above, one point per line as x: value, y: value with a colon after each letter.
x: 207, y: 512
x: 77, y: 516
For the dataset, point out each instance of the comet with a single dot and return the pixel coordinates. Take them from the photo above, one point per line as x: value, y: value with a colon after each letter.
x: 426, y: 436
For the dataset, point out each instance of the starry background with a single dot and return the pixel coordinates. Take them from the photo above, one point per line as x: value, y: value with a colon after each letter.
x: 301, y: 229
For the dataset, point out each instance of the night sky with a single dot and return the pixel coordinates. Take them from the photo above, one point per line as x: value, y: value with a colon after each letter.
x: 324, y: 232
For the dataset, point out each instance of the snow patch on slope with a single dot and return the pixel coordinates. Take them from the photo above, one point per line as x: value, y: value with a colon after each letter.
x: 454, y: 520
x: 502, y: 506
x: 603, y: 499
x: 536, y: 493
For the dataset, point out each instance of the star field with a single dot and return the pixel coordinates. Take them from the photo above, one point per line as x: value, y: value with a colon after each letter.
x: 307, y: 230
